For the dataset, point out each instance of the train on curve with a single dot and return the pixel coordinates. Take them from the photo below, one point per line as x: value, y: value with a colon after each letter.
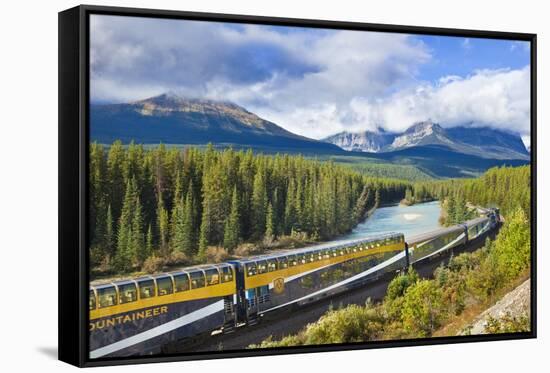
x: 139, y: 316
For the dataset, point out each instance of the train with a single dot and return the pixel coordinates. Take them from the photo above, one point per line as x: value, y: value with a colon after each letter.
x: 140, y: 316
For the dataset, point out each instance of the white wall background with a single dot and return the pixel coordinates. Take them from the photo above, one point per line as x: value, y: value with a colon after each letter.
x: 28, y: 184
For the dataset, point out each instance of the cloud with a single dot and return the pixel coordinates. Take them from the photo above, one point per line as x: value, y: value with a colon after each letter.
x: 495, y: 98
x: 312, y: 82
x: 141, y: 56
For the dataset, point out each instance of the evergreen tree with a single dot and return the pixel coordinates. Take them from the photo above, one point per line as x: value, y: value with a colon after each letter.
x: 232, y: 225
x: 109, y: 240
x: 163, y: 226
x: 451, y: 211
x: 204, y: 231
x: 137, y: 241
x: 124, y: 254
x: 149, y: 251
x: 115, y: 177
x: 270, y: 225
x: 189, y: 236
x: 259, y: 205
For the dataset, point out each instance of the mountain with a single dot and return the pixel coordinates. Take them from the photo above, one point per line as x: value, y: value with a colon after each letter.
x: 367, y: 141
x: 483, y: 142
x: 440, y: 161
x: 495, y: 142
x: 172, y: 119
x: 421, y: 133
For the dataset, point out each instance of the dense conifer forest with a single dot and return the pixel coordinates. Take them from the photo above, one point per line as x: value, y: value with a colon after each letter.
x: 507, y: 188
x: 157, y: 205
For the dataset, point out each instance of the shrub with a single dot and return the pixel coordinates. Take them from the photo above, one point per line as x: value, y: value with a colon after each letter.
x: 153, y: 264
x: 423, y: 308
x: 216, y: 254
x: 246, y: 249
x: 508, y: 324
x: 513, y: 245
x: 178, y: 258
x: 350, y: 324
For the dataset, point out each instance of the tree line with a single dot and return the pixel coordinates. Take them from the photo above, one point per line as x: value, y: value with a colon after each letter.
x: 170, y: 203
x: 507, y: 188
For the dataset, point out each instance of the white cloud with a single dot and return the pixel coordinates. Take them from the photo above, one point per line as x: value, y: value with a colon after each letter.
x: 495, y: 98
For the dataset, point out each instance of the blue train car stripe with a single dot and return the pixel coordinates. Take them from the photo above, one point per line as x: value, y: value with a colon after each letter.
x: 358, y: 276
x: 159, y: 330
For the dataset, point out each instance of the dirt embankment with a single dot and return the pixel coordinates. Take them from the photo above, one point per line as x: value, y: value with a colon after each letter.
x: 516, y: 303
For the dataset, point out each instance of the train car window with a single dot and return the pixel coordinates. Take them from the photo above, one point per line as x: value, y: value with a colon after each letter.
x: 164, y: 285
x: 146, y: 289
x: 272, y: 265
x: 334, y: 252
x: 292, y: 261
x: 341, y: 251
x: 212, y: 277
x: 319, y: 255
x: 311, y: 257
x: 326, y: 254
x: 283, y: 262
x: 262, y: 266
x: 197, y: 279
x: 301, y: 259
x: 92, y: 300
x: 251, y: 269
x: 107, y: 297
x: 181, y: 282
x: 127, y: 293
x: 226, y: 274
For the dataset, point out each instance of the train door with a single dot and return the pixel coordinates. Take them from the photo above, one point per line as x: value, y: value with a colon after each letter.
x: 241, y: 307
x: 252, y: 305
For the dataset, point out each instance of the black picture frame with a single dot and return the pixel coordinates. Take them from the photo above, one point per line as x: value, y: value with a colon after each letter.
x: 73, y: 189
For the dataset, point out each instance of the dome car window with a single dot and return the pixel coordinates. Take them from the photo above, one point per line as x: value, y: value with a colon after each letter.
x: 146, y: 289
x: 212, y: 277
x: 164, y: 285
x: 127, y: 293
x: 107, y: 297
x: 226, y: 274
x: 181, y: 282
x: 92, y: 300
x: 197, y: 279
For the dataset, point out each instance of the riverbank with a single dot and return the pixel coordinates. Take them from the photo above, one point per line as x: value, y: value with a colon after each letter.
x: 411, y: 202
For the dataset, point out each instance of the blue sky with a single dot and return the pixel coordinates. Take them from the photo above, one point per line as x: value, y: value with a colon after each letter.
x: 462, y: 56
x: 315, y: 82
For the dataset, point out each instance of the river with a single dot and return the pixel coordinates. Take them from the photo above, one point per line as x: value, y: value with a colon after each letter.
x: 410, y: 220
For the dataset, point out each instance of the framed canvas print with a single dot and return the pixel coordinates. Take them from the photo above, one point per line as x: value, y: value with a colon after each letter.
x: 233, y: 186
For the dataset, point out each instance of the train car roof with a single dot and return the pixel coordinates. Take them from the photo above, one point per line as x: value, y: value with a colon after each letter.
x: 109, y: 282
x: 441, y: 231
x: 469, y: 223
x: 303, y: 250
